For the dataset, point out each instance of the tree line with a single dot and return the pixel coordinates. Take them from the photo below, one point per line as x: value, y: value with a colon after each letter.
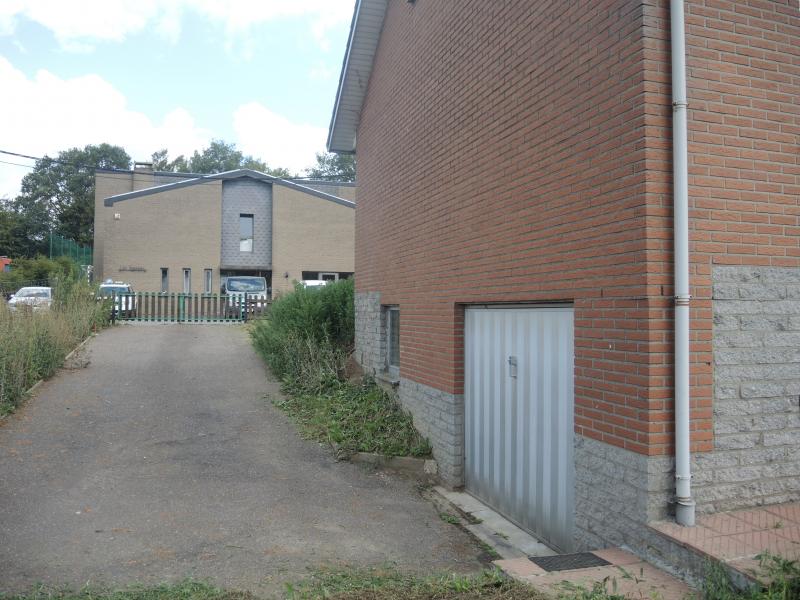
x: 58, y: 194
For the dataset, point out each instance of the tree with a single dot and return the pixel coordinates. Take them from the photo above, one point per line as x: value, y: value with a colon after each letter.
x: 13, y: 233
x: 58, y: 195
x: 216, y: 158
x: 331, y: 165
x: 161, y: 162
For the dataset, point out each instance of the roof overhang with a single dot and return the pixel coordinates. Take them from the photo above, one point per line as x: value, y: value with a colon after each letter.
x: 365, y: 32
x: 227, y: 175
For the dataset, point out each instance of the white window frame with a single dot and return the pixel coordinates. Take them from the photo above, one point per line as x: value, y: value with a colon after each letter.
x: 164, y: 280
x: 187, y: 280
x: 208, y: 280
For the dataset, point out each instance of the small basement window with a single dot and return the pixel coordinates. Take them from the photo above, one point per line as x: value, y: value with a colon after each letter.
x: 393, y: 341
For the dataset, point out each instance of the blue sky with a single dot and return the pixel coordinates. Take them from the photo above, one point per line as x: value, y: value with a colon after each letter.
x: 151, y: 74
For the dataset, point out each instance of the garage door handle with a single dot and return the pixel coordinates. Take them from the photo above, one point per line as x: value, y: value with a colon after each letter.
x: 512, y: 366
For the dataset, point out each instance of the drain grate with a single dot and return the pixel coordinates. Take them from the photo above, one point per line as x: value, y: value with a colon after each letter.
x: 567, y: 562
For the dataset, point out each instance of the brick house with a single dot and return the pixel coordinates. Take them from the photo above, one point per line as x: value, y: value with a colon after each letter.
x: 183, y: 232
x: 515, y: 254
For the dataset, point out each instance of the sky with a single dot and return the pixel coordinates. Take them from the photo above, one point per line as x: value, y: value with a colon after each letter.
x: 153, y: 74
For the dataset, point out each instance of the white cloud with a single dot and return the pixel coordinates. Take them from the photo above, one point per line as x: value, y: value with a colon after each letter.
x: 276, y: 140
x: 47, y: 114
x: 322, y: 72
x: 113, y: 20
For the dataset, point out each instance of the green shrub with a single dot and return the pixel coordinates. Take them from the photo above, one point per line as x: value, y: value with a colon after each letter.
x: 34, y: 344
x: 308, y: 327
x: 38, y: 271
x: 306, y: 338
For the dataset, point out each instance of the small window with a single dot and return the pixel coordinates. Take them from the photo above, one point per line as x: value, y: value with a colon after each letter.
x: 164, y: 280
x: 245, y: 233
x: 393, y: 340
x: 207, y: 281
x: 187, y: 281
x: 329, y: 276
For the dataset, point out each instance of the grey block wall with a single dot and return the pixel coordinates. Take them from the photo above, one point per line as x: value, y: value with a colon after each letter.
x: 756, y: 346
x: 438, y: 415
x: 247, y: 196
x: 617, y: 492
x: 369, y: 337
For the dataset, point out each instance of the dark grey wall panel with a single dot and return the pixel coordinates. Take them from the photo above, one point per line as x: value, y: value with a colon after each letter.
x: 252, y: 197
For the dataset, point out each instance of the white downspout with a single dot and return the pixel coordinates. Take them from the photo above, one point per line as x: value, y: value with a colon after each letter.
x: 683, y: 468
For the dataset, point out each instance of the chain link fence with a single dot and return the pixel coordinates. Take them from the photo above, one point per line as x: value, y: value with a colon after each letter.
x: 61, y: 246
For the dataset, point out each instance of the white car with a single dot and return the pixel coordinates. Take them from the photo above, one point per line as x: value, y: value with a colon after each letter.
x: 119, y: 291
x: 237, y: 287
x: 35, y: 298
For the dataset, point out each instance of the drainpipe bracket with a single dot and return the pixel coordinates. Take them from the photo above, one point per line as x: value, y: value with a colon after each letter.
x: 678, y: 104
x: 683, y: 299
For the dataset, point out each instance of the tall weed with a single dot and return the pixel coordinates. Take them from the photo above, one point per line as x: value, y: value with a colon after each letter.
x: 33, y: 345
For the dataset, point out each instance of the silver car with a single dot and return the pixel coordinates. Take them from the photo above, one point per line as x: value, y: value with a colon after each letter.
x: 32, y: 298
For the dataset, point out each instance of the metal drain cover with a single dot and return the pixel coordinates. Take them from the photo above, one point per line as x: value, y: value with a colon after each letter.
x: 567, y: 562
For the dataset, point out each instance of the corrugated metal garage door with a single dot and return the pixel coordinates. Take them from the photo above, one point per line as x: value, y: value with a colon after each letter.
x: 519, y: 416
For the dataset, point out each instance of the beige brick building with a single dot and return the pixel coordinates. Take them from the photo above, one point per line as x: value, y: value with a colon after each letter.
x: 185, y: 232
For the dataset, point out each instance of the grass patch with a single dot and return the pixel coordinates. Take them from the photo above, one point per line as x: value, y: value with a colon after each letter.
x: 306, y: 338
x: 185, y: 590
x: 34, y: 344
x: 354, y: 417
x: 448, y: 518
x: 386, y: 584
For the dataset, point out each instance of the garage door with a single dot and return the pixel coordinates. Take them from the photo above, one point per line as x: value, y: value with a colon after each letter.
x: 519, y: 398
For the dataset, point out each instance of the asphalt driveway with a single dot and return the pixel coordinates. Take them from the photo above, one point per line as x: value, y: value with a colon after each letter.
x: 160, y: 459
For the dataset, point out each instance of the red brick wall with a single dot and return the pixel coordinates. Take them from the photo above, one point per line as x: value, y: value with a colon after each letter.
x: 743, y: 77
x: 519, y: 151
x: 744, y: 95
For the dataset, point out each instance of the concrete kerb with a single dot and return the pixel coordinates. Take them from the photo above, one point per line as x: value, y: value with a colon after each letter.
x: 423, y: 469
x: 492, y: 529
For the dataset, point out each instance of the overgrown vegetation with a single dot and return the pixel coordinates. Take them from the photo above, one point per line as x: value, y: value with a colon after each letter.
x: 37, y: 271
x: 781, y: 577
x: 306, y: 338
x: 35, y: 343
x: 386, y: 584
x: 185, y: 590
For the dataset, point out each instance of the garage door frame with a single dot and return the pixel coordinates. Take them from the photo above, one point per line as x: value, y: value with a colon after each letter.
x: 500, y: 454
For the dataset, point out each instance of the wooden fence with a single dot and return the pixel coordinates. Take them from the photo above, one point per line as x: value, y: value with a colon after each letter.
x: 186, y: 308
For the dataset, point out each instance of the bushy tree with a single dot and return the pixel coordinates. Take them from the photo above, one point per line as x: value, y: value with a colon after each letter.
x: 58, y: 195
x: 218, y: 157
x: 331, y: 165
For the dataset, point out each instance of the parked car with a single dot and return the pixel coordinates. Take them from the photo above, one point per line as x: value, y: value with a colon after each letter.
x: 314, y: 283
x: 237, y: 287
x: 124, y: 298
x: 35, y: 298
